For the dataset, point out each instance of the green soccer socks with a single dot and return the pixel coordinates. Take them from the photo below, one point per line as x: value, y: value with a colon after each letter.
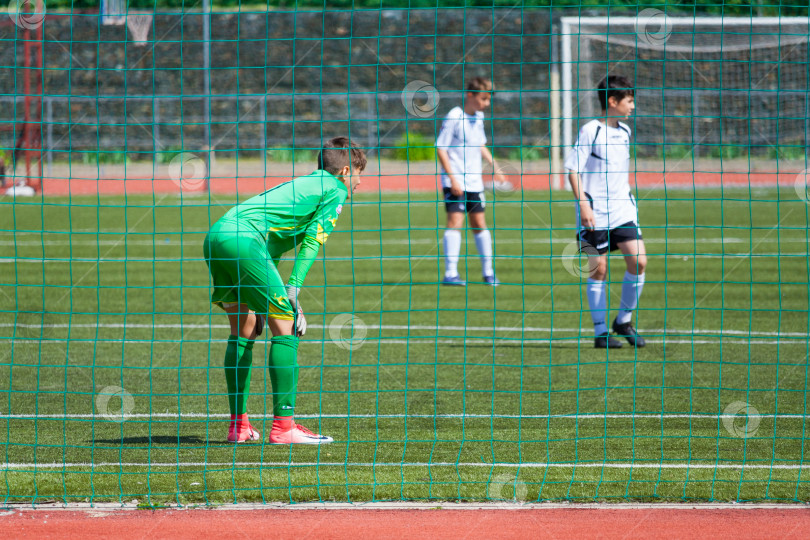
x: 238, y: 359
x: 283, y: 374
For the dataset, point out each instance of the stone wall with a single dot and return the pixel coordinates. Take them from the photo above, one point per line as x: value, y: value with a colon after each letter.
x: 291, y: 78
x: 283, y: 78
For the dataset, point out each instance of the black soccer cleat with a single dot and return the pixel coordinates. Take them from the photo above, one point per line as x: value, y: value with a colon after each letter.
x: 606, y: 341
x: 629, y: 333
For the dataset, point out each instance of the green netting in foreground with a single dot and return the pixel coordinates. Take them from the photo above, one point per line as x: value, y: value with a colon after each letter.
x: 111, y: 364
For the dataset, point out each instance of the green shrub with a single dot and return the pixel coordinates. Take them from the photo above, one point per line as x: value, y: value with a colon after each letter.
x: 104, y: 157
x: 522, y: 153
x: 168, y: 154
x: 789, y: 152
x: 291, y: 155
x: 414, y: 147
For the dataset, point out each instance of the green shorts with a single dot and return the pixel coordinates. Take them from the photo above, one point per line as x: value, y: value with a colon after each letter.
x: 243, y: 271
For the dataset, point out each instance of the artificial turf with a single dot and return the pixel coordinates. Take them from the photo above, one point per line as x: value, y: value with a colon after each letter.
x: 431, y: 392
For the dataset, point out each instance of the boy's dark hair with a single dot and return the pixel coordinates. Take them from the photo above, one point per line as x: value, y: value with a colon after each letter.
x: 341, y: 152
x: 614, y: 86
x: 480, y: 84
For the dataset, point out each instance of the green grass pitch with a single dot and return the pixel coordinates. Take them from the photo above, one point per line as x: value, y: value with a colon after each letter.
x: 436, y: 393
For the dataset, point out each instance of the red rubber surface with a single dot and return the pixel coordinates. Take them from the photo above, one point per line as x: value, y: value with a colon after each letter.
x: 445, y: 524
x: 392, y: 183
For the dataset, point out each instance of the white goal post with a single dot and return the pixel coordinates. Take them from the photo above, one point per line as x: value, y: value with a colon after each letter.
x: 704, y: 84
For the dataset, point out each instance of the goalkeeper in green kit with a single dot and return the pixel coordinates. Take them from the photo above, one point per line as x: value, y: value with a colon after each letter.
x: 242, y: 250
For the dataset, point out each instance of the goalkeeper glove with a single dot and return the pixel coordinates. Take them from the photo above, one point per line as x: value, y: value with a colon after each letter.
x: 300, y: 320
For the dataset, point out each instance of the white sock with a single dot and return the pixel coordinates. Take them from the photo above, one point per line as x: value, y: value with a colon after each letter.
x: 597, y: 300
x: 483, y: 241
x: 631, y: 291
x: 452, y: 247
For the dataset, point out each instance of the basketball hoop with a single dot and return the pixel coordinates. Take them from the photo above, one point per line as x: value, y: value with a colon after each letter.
x: 139, y: 25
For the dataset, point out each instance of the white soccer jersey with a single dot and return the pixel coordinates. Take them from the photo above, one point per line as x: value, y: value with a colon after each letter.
x: 463, y: 135
x: 601, y: 156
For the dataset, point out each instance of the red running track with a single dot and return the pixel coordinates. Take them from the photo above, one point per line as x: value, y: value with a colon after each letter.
x: 392, y: 183
x: 597, y: 522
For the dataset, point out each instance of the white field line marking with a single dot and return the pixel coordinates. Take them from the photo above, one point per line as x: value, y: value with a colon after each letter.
x: 586, y: 416
x: 397, y: 241
x: 528, y: 465
x: 416, y: 339
x: 510, y: 329
x: 137, y: 238
x: 679, y: 256
x: 100, y: 509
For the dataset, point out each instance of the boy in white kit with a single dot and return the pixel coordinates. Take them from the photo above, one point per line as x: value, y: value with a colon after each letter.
x: 460, y: 146
x: 606, y: 211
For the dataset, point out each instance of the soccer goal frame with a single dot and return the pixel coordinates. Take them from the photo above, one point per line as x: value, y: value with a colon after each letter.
x: 650, y: 30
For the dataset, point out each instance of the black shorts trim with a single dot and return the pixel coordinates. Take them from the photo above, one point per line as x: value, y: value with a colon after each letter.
x: 469, y: 202
x: 601, y: 241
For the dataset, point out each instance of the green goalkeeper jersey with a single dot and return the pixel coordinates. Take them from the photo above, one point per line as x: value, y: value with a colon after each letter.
x: 303, y: 211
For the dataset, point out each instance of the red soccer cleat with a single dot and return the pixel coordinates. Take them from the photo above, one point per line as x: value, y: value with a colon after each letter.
x: 285, y: 431
x: 240, y: 430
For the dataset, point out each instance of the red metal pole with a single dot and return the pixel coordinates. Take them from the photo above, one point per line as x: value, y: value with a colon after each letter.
x: 27, y: 131
x: 40, y: 76
x: 32, y: 97
x: 27, y: 101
